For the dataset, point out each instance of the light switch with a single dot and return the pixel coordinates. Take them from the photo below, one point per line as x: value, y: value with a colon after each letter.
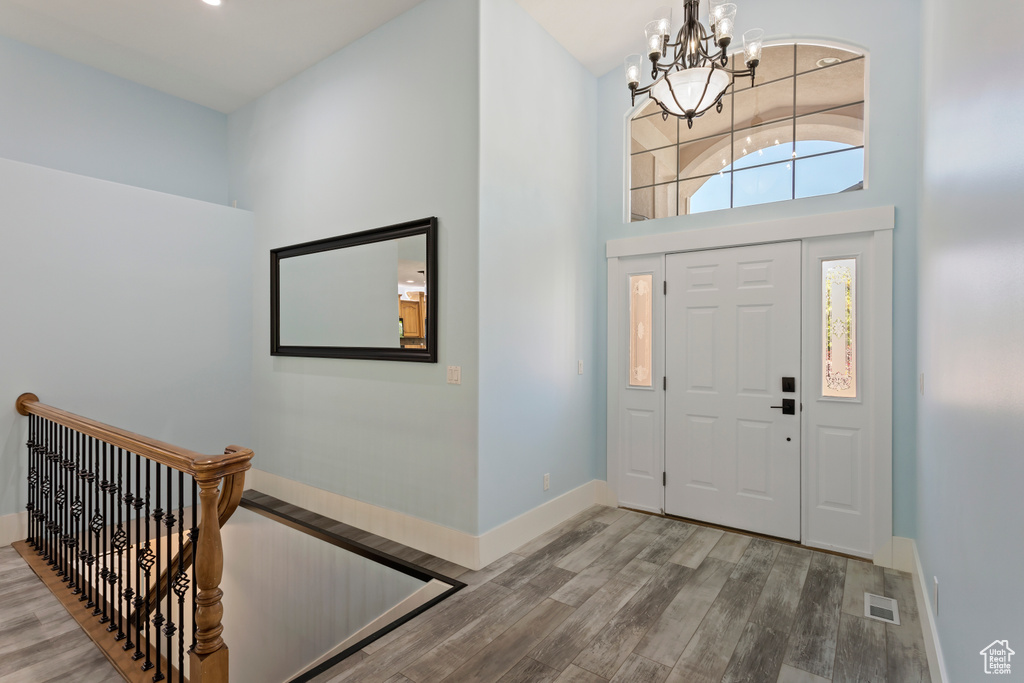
x: 454, y: 374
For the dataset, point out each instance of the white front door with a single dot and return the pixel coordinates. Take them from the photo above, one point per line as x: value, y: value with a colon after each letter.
x: 732, y: 334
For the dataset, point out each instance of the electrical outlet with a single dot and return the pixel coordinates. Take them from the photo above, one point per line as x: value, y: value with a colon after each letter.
x: 935, y: 598
x: 581, y: 367
x: 547, y: 481
x: 454, y: 374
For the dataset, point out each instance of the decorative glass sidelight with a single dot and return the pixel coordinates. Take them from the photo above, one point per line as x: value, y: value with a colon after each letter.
x: 640, y: 308
x: 839, y: 319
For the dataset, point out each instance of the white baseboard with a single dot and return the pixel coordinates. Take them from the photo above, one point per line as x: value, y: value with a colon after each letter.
x: 903, y: 552
x: 455, y: 546
x: 936, y: 663
x: 13, y: 527
x: 527, y: 526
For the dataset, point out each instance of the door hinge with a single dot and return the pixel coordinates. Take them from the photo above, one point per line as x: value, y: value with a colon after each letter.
x: 664, y: 383
x: 664, y: 287
x: 664, y: 479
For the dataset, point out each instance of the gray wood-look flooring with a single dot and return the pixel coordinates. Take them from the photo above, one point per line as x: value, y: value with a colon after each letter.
x: 39, y: 641
x: 615, y: 595
x: 609, y: 595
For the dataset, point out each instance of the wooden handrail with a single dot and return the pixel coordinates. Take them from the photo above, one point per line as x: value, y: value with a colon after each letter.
x: 202, y: 467
x: 220, y: 480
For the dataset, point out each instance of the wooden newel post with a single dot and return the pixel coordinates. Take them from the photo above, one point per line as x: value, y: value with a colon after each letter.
x: 209, y: 661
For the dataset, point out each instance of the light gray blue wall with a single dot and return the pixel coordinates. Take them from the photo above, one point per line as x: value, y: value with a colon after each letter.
x: 125, y: 305
x: 971, y: 422
x: 889, y: 32
x: 537, y: 267
x: 61, y: 114
x: 382, y: 132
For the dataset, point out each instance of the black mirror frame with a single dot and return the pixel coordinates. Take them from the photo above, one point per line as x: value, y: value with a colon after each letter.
x: 424, y: 226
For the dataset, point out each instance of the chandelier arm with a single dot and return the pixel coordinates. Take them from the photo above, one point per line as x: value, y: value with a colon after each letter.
x: 646, y: 90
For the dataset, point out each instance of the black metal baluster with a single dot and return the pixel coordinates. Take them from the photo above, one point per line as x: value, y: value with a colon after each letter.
x: 146, y: 562
x: 126, y: 572
x: 169, y: 522
x: 47, y: 490
x: 118, y: 542
x: 88, y: 476
x: 96, y: 526
x: 158, y: 620
x: 181, y: 578
x: 33, y: 480
x: 104, y: 549
x: 67, y: 464
x: 39, y: 474
x: 88, y: 479
x: 193, y: 536
x: 30, y: 506
x: 76, y: 516
x: 55, y: 498
x: 140, y: 588
x: 64, y: 510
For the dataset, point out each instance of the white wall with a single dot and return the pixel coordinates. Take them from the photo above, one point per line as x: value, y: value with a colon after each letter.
x: 382, y: 132
x: 971, y: 422
x: 889, y: 33
x: 64, y: 115
x: 538, y: 277
x: 125, y: 305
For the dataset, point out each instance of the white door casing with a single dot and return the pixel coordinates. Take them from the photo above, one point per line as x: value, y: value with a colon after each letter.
x: 732, y: 322
x: 865, y: 531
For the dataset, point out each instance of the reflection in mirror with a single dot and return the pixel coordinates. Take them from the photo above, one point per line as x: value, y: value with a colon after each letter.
x: 364, y: 295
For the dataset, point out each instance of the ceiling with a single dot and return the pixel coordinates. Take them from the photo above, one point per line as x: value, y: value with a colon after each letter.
x: 225, y: 57
x: 220, y: 57
x: 598, y: 33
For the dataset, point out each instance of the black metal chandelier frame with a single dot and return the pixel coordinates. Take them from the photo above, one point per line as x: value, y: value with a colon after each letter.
x: 691, y: 50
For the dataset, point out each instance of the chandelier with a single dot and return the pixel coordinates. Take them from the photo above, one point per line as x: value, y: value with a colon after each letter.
x: 697, y: 76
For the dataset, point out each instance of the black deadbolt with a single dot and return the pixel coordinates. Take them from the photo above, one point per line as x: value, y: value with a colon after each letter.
x: 789, y: 384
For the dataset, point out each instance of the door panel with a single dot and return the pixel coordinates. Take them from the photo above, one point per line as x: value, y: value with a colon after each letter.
x: 732, y: 333
x: 638, y: 372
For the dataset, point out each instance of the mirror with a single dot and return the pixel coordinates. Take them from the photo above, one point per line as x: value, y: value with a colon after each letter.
x: 370, y: 295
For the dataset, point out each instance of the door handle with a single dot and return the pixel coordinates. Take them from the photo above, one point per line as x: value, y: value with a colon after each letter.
x: 788, y: 406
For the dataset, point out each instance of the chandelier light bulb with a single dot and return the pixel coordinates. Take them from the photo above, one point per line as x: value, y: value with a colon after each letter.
x: 664, y: 18
x: 714, y: 12
x: 724, y: 25
x: 655, y: 40
x: 633, y: 63
x: 753, y: 41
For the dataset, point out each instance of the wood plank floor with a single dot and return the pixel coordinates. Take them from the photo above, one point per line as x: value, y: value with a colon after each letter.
x: 615, y: 595
x: 609, y: 595
x: 39, y: 641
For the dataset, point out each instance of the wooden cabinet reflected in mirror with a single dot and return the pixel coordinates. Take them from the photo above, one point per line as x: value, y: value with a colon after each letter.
x: 336, y: 298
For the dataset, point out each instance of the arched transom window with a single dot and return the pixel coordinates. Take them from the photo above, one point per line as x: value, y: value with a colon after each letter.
x: 799, y: 132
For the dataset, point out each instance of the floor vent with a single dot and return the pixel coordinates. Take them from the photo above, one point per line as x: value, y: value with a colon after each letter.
x: 882, y: 609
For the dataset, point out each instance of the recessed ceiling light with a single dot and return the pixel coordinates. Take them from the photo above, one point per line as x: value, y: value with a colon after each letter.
x: 828, y: 61
x: 215, y: 3
x: 410, y: 282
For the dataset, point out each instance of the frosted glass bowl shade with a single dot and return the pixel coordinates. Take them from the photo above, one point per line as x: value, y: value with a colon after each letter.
x: 687, y: 86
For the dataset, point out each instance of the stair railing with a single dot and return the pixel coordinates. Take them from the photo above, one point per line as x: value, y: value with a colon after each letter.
x: 96, y: 504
